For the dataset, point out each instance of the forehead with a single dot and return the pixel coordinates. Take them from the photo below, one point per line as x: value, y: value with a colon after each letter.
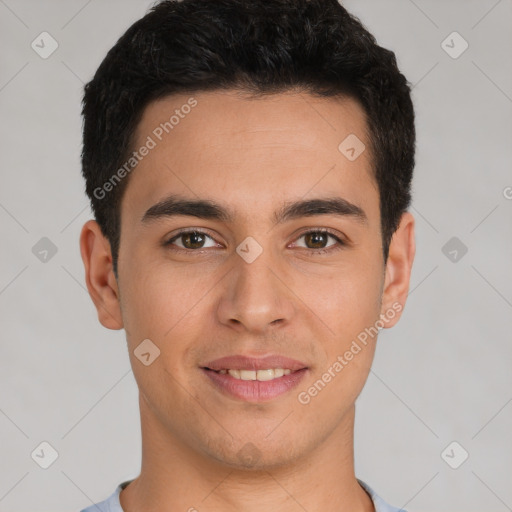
x: 230, y: 117
x: 226, y: 144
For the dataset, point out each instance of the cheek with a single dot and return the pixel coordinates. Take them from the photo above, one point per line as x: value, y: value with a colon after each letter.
x: 164, y: 309
x: 346, y: 299
x: 347, y: 305
x: 159, y: 302
x: 348, y: 311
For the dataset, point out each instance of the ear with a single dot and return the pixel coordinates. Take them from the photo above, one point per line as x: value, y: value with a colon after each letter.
x: 402, y: 249
x: 99, y: 275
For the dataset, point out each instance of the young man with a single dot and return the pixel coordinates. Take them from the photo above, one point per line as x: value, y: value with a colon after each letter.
x: 249, y: 166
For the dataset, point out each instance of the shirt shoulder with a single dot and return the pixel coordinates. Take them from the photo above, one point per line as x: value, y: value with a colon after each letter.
x: 379, y: 504
x: 111, y: 504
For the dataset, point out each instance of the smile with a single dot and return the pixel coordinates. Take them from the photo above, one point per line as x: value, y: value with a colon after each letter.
x: 261, y: 375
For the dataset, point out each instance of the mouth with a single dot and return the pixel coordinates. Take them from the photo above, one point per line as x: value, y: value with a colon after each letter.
x: 254, y: 379
x: 252, y: 375
x: 254, y: 386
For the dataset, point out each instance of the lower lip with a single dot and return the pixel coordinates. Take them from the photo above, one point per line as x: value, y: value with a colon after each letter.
x: 255, y: 390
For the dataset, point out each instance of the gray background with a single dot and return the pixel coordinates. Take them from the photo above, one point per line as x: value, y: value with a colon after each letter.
x: 441, y: 375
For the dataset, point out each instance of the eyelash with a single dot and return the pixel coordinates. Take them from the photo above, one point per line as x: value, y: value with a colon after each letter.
x: 334, y: 248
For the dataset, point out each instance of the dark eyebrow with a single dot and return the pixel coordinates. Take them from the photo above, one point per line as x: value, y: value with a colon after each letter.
x: 210, y: 210
x: 327, y: 206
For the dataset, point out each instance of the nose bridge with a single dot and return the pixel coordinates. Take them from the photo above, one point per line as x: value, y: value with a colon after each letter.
x: 255, y: 296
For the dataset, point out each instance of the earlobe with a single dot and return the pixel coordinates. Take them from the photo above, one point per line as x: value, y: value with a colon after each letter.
x: 99, y: 275
x: 402, y: 250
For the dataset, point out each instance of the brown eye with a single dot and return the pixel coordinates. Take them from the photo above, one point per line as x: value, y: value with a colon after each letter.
x: 191, y: 240
x: 316, y: 241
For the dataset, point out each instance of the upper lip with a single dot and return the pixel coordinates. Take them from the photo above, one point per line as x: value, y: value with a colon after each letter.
x: 240, y: 362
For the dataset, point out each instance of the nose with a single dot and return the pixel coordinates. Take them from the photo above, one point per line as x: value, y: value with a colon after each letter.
x: 255, y: 296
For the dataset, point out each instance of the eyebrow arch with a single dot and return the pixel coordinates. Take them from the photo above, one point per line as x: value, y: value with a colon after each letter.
x: 208, y: 209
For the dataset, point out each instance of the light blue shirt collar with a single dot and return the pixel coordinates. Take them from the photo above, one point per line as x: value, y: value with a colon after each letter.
x: 112, y: 504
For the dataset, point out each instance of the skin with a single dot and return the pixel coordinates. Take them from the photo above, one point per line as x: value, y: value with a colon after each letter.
x: 251, y: 155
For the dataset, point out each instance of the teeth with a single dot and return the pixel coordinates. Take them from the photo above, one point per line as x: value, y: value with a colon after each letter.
x: 261, y: 375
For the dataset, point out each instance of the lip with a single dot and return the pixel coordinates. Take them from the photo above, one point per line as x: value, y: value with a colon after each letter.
x: 253, y: 390
x: 240, y: 362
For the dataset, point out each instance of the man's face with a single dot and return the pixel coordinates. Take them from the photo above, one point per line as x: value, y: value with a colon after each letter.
x: 305, y: 296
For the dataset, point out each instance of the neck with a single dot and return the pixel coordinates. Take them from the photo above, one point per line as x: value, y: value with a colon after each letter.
x: 175, y: 476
